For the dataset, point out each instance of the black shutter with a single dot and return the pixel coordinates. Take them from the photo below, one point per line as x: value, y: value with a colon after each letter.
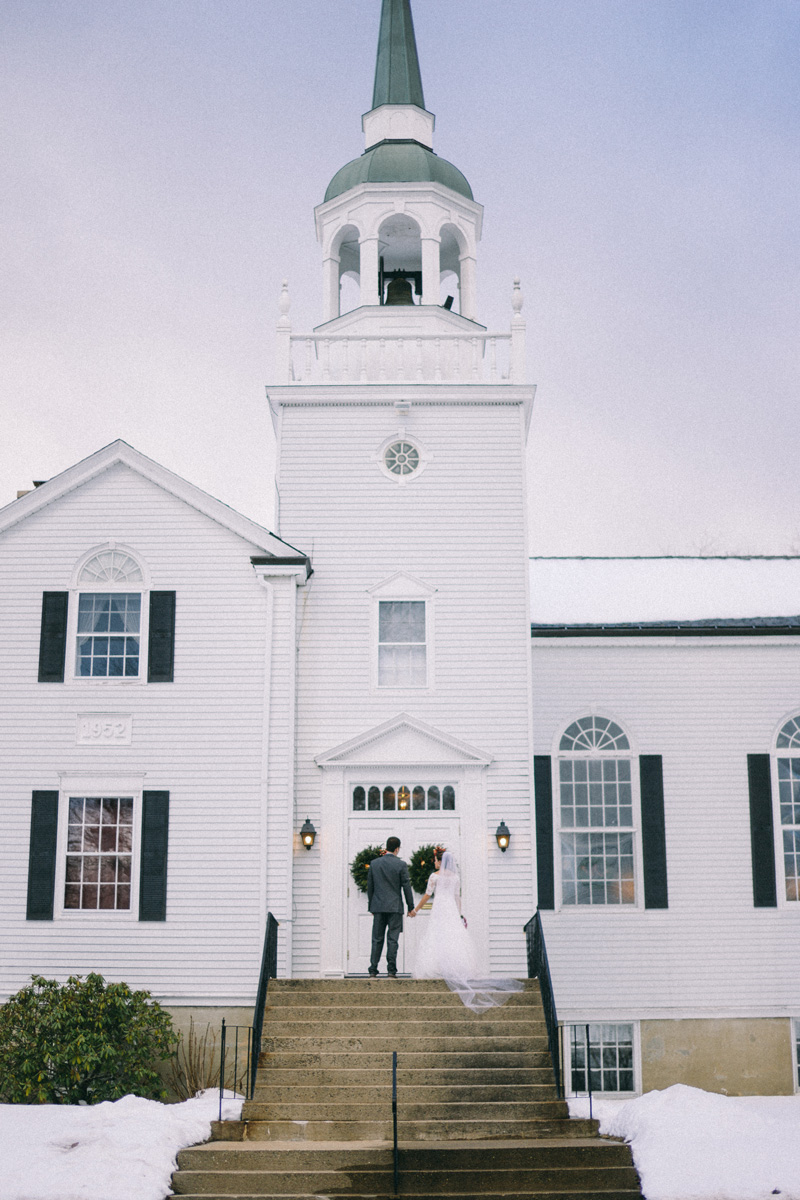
x: 53, y: 637
x: 155, y: 838
x: 654, y: 840
x: 161, y: 638
x: 543, y: 789
x: 42, y: 856
x: 762, y: 843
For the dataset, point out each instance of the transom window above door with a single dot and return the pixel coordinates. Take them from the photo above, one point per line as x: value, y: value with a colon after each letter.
x: 403, y: 797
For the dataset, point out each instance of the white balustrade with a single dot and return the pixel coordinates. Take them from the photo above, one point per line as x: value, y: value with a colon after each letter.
x: 382, y: 358
x: 434, y: 357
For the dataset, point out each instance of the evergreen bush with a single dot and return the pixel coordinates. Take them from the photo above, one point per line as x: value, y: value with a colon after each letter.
x: 82, y: 1041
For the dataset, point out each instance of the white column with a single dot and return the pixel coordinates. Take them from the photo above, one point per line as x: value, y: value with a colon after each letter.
x: 468, y: 281
x: 330, y: 287
x: 369, y: 270
x: 430, y: 270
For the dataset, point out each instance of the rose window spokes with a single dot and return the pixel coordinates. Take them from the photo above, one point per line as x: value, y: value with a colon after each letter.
x: 401, y: 458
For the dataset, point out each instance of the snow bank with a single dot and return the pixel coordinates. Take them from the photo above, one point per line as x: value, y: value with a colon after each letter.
x: 123, y: 1150
x: 693, y: 1145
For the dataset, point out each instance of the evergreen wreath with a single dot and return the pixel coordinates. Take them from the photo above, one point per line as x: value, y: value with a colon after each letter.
x: 421, y: 865
x: 359, y: 867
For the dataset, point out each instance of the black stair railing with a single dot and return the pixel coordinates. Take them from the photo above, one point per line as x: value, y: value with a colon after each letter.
x: 269, y: 970
x: 539, y: 968
x: 236, y: 1037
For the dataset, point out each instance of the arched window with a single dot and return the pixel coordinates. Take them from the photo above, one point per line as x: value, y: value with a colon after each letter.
x: 597, y: 829
x: 109, y: 620
x: 787, y: 745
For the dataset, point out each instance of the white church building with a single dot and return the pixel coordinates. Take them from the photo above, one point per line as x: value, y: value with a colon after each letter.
x: 182, y: 690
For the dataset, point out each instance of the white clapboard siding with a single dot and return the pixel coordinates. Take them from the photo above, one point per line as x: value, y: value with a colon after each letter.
x: 459, y: 528
x: 200, y: 738
x: 703, y: 705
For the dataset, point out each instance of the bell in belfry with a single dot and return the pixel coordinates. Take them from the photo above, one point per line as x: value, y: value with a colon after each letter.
x: 399, y: 292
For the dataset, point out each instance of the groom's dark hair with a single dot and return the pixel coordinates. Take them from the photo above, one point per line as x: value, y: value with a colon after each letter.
x: 392, y: 844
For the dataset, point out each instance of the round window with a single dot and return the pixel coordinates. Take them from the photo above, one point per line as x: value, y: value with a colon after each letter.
x: 401, y: 458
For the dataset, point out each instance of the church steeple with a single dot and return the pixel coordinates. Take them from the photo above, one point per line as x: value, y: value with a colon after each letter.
x: 399, y: 217
x: 397, y: 74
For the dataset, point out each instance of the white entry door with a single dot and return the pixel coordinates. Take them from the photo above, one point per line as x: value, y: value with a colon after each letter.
x: 373, y: 830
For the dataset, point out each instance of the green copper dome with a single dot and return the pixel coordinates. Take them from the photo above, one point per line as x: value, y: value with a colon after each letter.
x: 398, y: 162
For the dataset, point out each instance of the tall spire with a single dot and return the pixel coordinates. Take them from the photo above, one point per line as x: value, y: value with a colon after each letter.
x: 397, y: 75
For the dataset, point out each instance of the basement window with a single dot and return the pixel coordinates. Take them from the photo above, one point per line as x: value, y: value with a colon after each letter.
x: 606, y: 1063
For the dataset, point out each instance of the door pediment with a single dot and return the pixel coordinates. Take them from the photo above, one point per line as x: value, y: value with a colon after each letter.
x: 404, y: 741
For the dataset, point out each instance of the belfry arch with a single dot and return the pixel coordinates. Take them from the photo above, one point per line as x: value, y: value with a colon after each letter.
x: 456, y: 258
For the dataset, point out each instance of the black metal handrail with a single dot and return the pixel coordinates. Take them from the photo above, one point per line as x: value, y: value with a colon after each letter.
x: 269, y: 970
x: 539, y: 968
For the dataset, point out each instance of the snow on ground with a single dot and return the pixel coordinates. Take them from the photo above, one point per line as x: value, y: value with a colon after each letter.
x: 693, y: 1145
x: 120, y: 1150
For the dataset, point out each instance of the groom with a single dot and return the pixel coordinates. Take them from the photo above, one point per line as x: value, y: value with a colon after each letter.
x: 387, y: 883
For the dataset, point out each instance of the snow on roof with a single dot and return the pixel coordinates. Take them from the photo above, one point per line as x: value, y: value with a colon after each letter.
x: 604, y: 591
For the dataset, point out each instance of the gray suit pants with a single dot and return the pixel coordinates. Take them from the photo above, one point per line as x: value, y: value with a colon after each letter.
x: 389, y: 924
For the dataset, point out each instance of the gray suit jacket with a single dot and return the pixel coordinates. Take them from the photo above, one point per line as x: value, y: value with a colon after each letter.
x: 387, y: 882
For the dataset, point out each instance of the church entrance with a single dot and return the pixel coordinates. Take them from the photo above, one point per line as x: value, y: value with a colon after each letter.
x: 414, y: 830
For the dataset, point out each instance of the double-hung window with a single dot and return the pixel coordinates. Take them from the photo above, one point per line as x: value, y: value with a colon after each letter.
x: 402, y: 643
x: 109, y: 634
x: 596, y: 806
x: 402, y: 633
x: 99, y: 859
x: 109, y: 622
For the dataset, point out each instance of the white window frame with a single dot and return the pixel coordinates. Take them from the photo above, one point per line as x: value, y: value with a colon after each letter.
x: 777, y: 828
x: 401, y: 435
x: 559, y: 756
x: 402, y: 587
x: 77, y: 589
x: 795, y: 1025
x: 637, y: 1055
x: 98, y: 784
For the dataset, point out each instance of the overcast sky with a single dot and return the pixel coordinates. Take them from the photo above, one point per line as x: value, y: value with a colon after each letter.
x: 638, y: 162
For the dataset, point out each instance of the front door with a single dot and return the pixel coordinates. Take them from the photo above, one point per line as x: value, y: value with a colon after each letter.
x: 372, y: 829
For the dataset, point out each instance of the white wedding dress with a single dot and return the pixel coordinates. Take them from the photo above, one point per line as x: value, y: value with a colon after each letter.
x: 446, y: 950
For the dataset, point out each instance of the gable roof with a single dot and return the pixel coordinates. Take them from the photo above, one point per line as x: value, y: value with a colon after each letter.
x: 668, y: 593
x: 120, y: 452
x: 403, y: 741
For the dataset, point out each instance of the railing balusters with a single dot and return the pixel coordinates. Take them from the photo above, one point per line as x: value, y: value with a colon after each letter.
x: 383, y: 357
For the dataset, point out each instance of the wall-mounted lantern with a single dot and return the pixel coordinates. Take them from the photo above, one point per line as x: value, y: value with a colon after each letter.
x: 503, y: 835
x: 307, y: 834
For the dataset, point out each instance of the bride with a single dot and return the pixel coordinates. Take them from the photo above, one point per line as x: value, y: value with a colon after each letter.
x: 446, y: 950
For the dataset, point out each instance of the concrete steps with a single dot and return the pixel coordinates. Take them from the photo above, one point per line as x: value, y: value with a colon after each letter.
x: 478, y: 1114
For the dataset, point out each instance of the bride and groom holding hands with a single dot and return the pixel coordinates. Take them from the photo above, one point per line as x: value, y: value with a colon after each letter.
x: 446, y: 950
